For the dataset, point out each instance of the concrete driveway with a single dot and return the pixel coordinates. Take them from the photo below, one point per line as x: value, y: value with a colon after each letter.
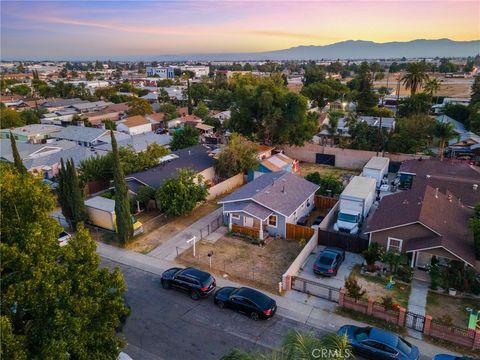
x: 337, y: 281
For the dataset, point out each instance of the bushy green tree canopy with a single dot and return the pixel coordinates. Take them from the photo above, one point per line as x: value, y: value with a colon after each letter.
x: 238, y: 157
x: 55, y: 301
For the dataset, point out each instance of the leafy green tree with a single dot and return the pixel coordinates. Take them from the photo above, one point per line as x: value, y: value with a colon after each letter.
x: 457, y: 112
x: 415, y: 77
x: 139, y: 107
x: 473, y: 123
x: 56, y: 302
x: 443, y: 132
x: 30, y: 116
x: 201, y: 110
x: 446, y: 66
x: 414, y: 105
x: 10, y: 119
x: 17, y: 160
x: 70, y: 194
x: 122, y: 203
x: 238, y: 157
x: 366, y: 99
x: 313, y: 73
x: 199, y: 92
x: 364, y: 136
x: 221, y: 99
x: 412, y: 135
x: 267, y: 112
x: 320, y: 93
x: 21, y: 89
x: 145, y: 194
x: 180, y: 194
x: 329, y: 184
x: 185, y: 137
x: 372, y: 254
x: 314, y: 177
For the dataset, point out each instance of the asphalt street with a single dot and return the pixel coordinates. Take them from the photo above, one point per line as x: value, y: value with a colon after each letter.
x: 167, y: 324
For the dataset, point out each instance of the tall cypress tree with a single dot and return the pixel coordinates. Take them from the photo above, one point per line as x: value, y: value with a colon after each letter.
x: 76, y: 195
x: 17, y: 160
x: 70, y: 195
x: 122, y: 203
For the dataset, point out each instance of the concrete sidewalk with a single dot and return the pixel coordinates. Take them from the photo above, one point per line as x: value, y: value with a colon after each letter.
x: 417, y: 303
x: 168, y: 250
x: 297, y: 308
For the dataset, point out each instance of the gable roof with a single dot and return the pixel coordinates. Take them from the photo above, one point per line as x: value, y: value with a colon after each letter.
x: 195, y: 158
x: 456, y: 178
x: 441, y: 213
x: 138, y: 142
x: 280, y: 191
x: 136, y: 120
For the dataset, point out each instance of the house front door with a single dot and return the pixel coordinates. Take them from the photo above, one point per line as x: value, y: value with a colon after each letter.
x: 247, y: 221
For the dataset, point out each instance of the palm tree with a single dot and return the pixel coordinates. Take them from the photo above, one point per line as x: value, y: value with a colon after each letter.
x: 301, y: 346
x: 415, y: 77
x: 432, y: 86
x: 443, y: 132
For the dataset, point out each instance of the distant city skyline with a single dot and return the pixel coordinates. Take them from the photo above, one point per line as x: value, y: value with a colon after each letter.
x: 90, y: 29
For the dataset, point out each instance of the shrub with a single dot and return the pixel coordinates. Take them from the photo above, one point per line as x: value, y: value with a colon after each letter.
x: 405, y: 273
x: 371, y: 255
x: 354, y: 290
x: 387, y: 302
x: 445, y: 320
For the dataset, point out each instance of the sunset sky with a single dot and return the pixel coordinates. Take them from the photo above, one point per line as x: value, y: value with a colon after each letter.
x: 94, y: 29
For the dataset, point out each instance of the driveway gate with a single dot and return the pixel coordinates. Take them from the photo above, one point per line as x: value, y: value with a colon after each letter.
x: 415, y: 321
x: 315, y: 288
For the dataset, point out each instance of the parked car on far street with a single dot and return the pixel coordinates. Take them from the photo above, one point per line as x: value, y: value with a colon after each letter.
x: 328, y: 261
x: 63, y: 238
x: 195, y: 282
x: 248, y: 301
x: 374, y: 343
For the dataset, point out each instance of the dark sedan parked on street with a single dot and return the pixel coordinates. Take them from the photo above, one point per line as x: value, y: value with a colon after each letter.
x: 328, y: 261
x: 247, y: 301
x: 196, y: 282
x: 374, y: 343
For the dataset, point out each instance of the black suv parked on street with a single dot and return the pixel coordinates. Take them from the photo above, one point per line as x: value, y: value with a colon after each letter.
x: 196, y: 282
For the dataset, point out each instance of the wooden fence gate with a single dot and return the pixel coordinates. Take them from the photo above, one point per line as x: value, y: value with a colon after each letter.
x: 299, y: 232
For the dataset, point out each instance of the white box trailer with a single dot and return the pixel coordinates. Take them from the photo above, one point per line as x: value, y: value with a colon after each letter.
x: 101, y: 212
x: 355, y: 203
x: 377, y: 168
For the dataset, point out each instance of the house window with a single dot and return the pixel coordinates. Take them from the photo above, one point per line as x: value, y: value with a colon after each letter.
x: 394, y: 244
x: 235, y: 216
x: 272, y: 220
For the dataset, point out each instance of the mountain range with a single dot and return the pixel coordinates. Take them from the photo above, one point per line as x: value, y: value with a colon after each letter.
x: 350, y: 49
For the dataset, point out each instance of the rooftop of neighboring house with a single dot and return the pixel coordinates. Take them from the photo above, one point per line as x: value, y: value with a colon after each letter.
x: 188, y: 118
x: 77, y: 154
x: 80, y: 133
x: 196, y: 158
x: 277, y: 162
x: 150, y: 96
x: 281, y: 191
x: 28, y: 150
x: 120, y: 107
x: 134, y: 121
x: 456, y: 178
x: 204, y: 127
x: 101, y: 203
x: 91, y: 106
x: 138, y: 142
x: 387, y: 122
x: 443, y: 214
x: 58, y: 102
x: 156, y: 117
x: 34, y: 129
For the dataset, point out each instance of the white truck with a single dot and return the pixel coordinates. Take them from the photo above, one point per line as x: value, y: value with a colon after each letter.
x: 355, y: 203
x: 377, y: 168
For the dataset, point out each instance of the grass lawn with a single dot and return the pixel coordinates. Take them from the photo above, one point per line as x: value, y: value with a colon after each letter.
x: 308, y: 168
x: 376, y: 288
x: 241, y: 261
x: 443, y: 305
x: 150, y: 240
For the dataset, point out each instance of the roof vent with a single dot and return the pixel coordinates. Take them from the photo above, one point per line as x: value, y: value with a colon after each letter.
x: 283, y: 190
x: 436, y: 193
x: 428, y: 176
x: 475, y: 187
